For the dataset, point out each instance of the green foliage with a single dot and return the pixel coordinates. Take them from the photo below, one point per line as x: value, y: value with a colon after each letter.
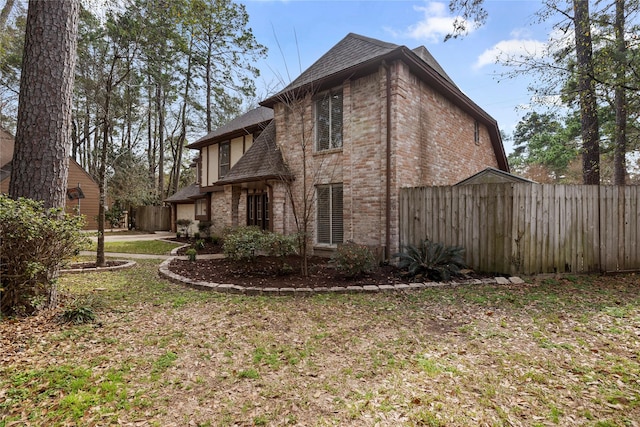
x: 199, y: 244
x: 541, y: 139
x: 276, y: 244
x: 115, y: 216
x: 435, y: 260
x: 352, y: 259
x: 184, y: 225
x: 191, y: 254
x: 82, y: 310
x: 35, y: 243
x: 204, y: 227
x: 244, y: 243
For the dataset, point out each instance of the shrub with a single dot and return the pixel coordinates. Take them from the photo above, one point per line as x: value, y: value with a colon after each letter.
x: 191, y: 254
x: 205, y: 228
x: 276, y: 244
x: 81, y: 310
x: 245, y: 243
x: 184, y: 224
x: 352, y: 259
x: 242, y: 243
x: 199, y: 244
x: 435, y: 260
x: 35, y: 243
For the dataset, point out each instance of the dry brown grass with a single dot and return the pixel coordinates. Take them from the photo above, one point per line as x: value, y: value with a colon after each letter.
x: 553, y: 352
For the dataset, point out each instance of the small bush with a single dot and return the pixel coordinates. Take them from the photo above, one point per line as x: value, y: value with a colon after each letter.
x: 35, y: 242
x: 205, y: 228
x: 352, y: 259
x: 276, y: 244
x: 82, y: 310
x: 434, y: 260
x: 199, y: 244
x: 191, y: 254
x: 245, y: 243
x: 242, y: 243
x: 184, y: 225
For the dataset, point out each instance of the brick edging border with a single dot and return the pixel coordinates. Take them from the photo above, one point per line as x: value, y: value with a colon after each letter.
x: 250, y: 290
x: 127, y: 264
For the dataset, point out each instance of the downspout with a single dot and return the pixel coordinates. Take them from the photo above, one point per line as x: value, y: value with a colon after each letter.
x: 388, y: 165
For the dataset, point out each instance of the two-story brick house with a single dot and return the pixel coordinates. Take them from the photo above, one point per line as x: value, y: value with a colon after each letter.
x: 365, y: 120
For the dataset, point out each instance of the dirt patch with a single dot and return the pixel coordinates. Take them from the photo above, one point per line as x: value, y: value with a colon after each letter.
x: 280, y: 272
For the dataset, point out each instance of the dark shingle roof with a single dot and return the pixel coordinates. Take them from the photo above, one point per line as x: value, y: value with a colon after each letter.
x: 186, y: 194
x: 350, y: 53
x: 248, y: 122
x: 262, y: 160
x: 356, y: 55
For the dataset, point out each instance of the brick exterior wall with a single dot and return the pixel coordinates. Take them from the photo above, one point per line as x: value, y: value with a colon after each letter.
x: 432, y: 143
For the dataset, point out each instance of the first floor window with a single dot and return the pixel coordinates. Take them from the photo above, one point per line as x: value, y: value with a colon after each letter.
x: 329, y: 214
x: 201, y: 208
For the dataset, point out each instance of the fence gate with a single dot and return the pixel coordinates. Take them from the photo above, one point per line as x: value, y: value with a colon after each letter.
x: 153, y: 218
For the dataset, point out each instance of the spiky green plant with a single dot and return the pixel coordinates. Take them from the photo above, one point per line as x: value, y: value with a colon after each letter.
x: 434, y: 260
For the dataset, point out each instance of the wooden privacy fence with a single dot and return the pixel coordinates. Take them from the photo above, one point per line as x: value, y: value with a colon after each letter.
x: 528, y: 228
x: 153, y: 218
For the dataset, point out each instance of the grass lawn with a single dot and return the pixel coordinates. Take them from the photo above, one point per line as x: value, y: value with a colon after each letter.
x: 151, y: 247
x: 554, y: 352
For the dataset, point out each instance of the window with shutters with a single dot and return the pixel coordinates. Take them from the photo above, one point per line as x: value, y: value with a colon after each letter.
x: 329, y: 222
x: 328, y: 113
x: 224, y: 156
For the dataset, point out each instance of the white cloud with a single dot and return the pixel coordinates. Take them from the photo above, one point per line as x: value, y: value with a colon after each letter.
x: 512, y: 50
x: 435, y: 24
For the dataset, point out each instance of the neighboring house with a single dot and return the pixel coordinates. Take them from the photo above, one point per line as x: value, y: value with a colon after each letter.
x: 77, y: 178
x: 365, y: 120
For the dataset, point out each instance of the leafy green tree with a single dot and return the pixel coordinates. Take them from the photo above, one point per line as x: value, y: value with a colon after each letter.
x: 542, y: 140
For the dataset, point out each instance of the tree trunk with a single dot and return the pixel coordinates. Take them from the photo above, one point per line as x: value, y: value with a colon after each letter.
x: 43, y: 134
x: 177, y: 161
x: 4, y: 14
x: 160, y: 110
x: 586, y: 88
x: 620, y: 150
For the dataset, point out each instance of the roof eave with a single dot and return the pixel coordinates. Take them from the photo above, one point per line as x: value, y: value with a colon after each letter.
x: 204, y: 141
x: 464, y: 102
x: 427, y: 73
x: 284, y: 177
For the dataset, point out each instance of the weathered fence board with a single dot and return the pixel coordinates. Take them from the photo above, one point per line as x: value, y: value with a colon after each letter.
x: 153, y: 218
x: 523, y: 228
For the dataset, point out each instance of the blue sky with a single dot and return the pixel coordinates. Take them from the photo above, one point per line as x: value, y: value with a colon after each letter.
x: 298, y: 32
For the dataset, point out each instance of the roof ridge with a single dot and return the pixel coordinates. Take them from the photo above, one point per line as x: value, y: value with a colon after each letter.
x: 380, y: 43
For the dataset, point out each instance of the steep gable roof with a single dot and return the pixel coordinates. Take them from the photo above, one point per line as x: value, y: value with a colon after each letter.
x: 243, y: 124
x: 262, y: 160
x: 356, y: 56
x: 351, y: 55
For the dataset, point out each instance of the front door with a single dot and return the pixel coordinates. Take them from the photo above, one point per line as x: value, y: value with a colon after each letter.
x: 258, y: 210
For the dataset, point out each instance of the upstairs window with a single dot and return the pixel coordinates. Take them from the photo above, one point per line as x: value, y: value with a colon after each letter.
x: 224, y: 156
x: 328, y: 110
x: 329, y: 217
